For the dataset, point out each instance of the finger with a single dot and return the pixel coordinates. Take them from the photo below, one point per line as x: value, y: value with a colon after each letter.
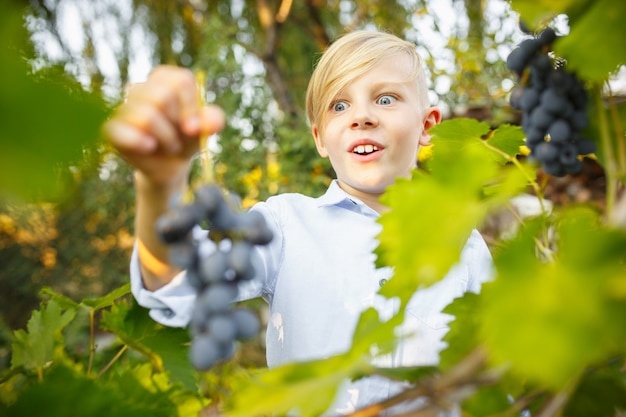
x: 128, y: 139
x: 153, y: 122
x: 187, y: 107
x: 212, y: 119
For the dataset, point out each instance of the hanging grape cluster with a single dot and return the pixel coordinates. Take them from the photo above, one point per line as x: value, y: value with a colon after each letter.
x: 553, y: 102
x: 214, y: 266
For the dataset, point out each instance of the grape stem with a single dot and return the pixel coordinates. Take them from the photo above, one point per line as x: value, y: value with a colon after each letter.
x: 542, y: 246
x: 206, y: 164
x: 611, y: 168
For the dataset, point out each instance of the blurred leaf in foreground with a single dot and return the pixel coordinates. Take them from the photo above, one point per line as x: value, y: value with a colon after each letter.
x: 45, y: 123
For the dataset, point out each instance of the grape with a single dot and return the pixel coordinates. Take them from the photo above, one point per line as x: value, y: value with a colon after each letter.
x: 586, y: 146
x: 214, y: 269
x: 256, y: 229
x: 542, y: 64
x: 547, y: 36
x: 246, y: 322
x: 529, y: 99
x: 546, y: 152
x: 176, y: 224
x: 205, y: 351
x: 223, y: 328
x: 540, y: 118
x: 553, y: 102
x: 183, y: 253
x: 239, y: 259
x: 218, y: 297
x: 559, y: 131
x: 208, y: 200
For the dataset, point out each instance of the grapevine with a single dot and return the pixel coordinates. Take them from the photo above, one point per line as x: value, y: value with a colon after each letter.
x: 215, y: 264
x: 553, y: 102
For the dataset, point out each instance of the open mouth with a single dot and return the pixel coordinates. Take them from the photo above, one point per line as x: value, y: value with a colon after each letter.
x: 365, y: 149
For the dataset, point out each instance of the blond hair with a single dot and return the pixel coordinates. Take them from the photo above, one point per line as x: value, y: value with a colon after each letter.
x: 351, y: 56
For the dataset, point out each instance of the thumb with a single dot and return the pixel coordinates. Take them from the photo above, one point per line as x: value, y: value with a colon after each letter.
x: 212, y: 119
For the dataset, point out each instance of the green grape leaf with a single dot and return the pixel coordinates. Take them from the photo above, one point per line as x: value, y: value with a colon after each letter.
x: 508, y: 139
x: 550, y: 320
x: 599, y: 393
x: 35, y: 348
x: 433, y: 214
x: 165, y: 347
x: 462, y: 338
x: 32, y: 154
x: 487, y: 401
x: 536, y: 13
x: 408, y: 374
x: 63, y: 301
x: 65, y: 393
x: 589, y: 48
x: 108, y: 299
x: 370, y: 332
x: 306, y: 387
x: 310, y: 387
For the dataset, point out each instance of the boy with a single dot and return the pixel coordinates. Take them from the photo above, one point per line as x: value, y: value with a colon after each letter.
x: 368, y: 109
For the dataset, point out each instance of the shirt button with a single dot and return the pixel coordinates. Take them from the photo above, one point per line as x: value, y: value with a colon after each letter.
x: 382, y: 282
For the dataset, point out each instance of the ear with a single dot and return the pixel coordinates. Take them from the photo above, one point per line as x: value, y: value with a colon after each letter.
x: 431, y: 118
x: 319, y: 143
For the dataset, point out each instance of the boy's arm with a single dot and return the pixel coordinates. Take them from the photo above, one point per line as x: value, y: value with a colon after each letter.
x: 151, y: 202
x: 156, y: 130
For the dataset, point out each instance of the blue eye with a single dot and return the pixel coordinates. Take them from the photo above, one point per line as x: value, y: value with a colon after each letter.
x: 386, y: 100
x: 339, y: 106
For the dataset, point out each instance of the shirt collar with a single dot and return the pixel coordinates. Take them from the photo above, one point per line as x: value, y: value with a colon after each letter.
x: 335, y: 196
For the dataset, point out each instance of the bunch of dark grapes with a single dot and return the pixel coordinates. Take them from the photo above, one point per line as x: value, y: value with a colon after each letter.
x: 553, y: 102
x: 215, y: 265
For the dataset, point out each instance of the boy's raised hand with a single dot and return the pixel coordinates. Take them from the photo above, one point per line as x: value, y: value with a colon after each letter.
x: 157, y: 128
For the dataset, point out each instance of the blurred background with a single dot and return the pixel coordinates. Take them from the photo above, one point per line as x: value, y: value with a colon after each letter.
x: 257, y: 56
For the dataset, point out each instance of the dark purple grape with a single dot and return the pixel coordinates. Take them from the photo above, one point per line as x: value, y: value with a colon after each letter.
x: 585, y: 146
x: 204, y: 352
x: 542, y: 64
x: 247, y: 323
x: 176, y: 224
x: 212, y: 268
x: 514, y: 98
x: 553, y: 102
x: 545, y: 152
x: 183, y: 253
x: 224, y: 219
x: 574, y: 168
x: 540, y: 118
x: 579, y: 119
x: 554, y: 168
x: 534, y: 137
x: 529, y: 99
x: 208, y: 199
x: 240, y: 260
x: 568, y: 154
x: 217, y: 298
x: 223, y: 328
x: 547, y: 36
x: 516, y: 61
x: 256, y: 230
x: 559, y: 131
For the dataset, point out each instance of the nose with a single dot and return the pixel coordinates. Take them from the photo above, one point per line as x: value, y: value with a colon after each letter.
x: 363, y: 117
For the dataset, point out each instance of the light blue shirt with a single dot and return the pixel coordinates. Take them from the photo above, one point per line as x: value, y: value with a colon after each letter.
x: 318, y: 275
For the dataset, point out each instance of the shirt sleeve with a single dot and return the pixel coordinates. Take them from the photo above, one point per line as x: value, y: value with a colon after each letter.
x: 481, y: 267
x: 171, y: 304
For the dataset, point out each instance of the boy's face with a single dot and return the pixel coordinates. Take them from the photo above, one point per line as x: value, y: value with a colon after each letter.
x: 374, y: 127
